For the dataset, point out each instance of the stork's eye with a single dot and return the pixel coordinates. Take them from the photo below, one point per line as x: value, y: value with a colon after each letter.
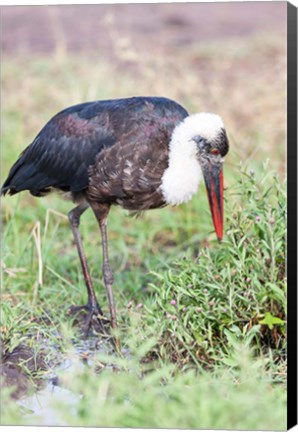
x: 215, y: 151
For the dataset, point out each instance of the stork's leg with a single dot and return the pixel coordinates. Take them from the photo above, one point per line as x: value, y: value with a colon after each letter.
x: 101, y: 212
x: 93, y: 309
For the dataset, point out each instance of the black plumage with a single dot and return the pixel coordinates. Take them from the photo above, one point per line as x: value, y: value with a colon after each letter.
x: 108, y: 132
x: 102, y: 153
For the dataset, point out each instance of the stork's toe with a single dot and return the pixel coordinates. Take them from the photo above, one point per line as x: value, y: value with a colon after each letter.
x: 88, y: 318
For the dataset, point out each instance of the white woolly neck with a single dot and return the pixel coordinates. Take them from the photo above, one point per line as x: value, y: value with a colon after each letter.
x: 182, y: 177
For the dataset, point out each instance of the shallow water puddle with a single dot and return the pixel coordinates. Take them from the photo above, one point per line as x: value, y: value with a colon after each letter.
x: 39, y: 408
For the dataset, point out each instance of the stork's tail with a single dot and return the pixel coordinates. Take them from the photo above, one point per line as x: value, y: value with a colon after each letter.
x: 8, y: 186
x: 17, y: 177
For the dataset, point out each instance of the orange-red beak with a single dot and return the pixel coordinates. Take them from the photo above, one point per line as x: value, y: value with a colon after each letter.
x: 213, y: 176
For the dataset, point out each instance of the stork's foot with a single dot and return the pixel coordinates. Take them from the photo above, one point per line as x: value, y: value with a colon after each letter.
x: 90, y: 317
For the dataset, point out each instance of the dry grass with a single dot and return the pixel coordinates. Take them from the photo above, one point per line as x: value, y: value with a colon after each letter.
x: 244, y: 83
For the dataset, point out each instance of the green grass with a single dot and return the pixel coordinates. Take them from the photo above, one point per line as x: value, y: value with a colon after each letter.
x: 203, y: 304
x: 202, y: 324
x: 158, y: 398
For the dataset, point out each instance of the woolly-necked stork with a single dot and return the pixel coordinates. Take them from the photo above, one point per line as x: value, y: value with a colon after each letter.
x: 140, y: 153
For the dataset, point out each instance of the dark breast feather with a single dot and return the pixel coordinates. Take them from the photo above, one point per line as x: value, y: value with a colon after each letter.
x: 130, y: 172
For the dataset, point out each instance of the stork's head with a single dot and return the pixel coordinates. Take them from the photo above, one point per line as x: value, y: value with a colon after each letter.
x: 212, y: 145
x: 198, y: 145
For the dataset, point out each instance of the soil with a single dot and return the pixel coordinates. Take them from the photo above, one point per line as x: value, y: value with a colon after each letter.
x: 85, y: 28
x: 17, y: 369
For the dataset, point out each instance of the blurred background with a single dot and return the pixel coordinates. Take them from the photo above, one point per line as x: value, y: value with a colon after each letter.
x: 229, y: 58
